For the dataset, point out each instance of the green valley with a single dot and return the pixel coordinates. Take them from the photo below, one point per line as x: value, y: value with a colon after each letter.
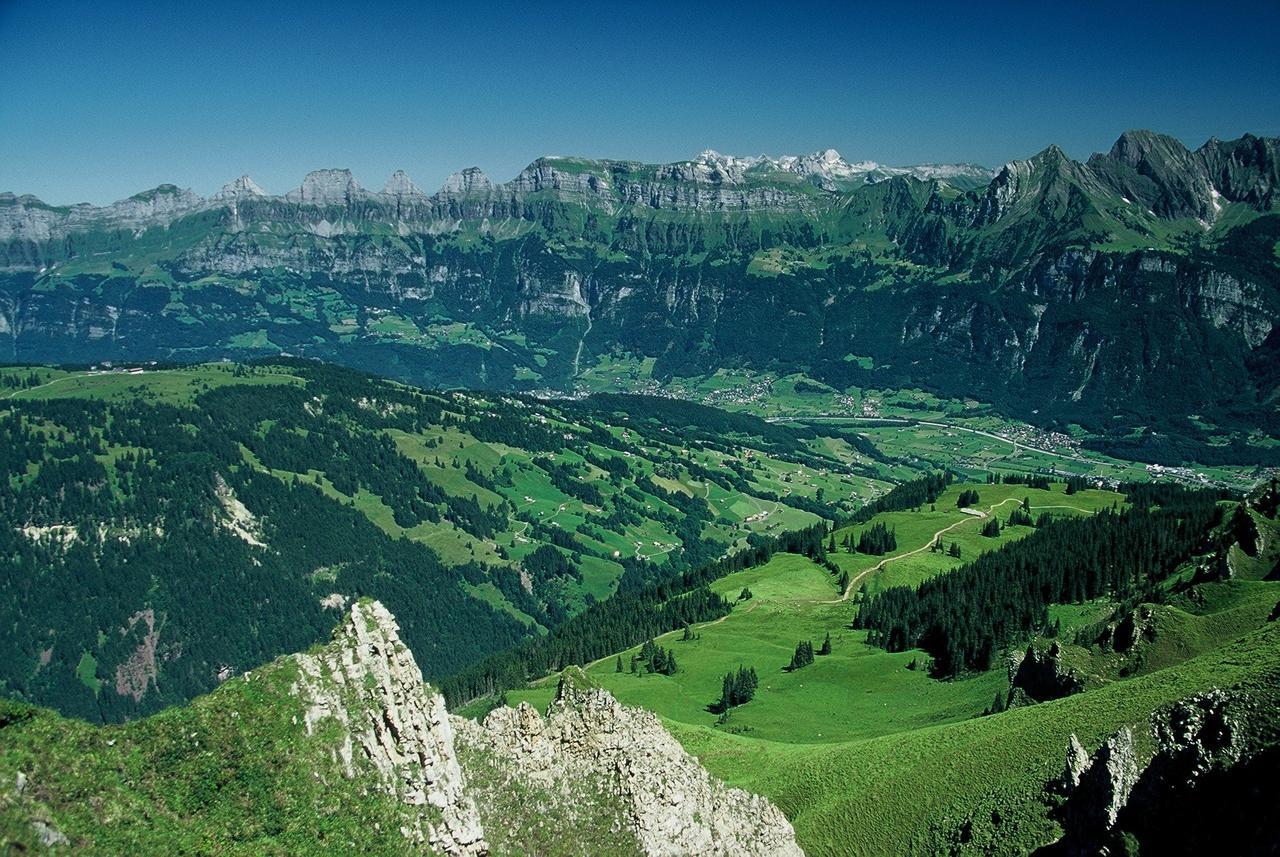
x: 516, y: 513
x: 869, y: 753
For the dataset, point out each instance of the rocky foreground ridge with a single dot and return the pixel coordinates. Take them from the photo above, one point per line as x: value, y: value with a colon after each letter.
x: 1212, y: 763
x: 344, y: 749
x: 592, y: 776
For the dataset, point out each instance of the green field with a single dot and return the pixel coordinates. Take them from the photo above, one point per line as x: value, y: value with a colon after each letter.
x: 164, y: 385
x: 868, y: 756
x: 858, y: 691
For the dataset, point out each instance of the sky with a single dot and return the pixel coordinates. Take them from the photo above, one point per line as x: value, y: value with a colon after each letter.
x: 99, y: 100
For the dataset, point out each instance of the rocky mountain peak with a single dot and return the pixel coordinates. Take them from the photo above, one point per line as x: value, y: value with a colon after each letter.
x: 470, y: 180
x: 633, y: 770
x: 326, y: 187
x: 239, y: 188
x: 1136, y: 145
x: 394, y: 727
x: 399, y: 184
x: 591, y: 765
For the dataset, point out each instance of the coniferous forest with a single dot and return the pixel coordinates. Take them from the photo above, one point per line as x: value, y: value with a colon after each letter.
x: 145, y: 528
x: 964, y: 618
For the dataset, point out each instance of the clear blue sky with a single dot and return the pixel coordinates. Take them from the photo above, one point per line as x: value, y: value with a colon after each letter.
x: 99, y: 100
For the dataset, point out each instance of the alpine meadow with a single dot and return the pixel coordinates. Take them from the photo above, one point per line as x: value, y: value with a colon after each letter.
x: 639, y: 502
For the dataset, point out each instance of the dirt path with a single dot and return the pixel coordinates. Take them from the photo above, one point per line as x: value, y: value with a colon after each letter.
x: 975, y: 513
x: 13, y: 393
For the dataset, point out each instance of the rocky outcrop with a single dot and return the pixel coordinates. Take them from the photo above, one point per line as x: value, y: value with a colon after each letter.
x: 1040, y: 675
x: 1100, y: 787
x: 394, y: 728
x: 592, y: 777
x: 326, y: 187
x: 666, y: 799
x: 243, y: 187
x: 468, y: 181
x: 1213, y: 758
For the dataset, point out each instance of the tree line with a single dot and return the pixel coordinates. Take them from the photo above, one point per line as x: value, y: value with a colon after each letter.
x: 964, y: 617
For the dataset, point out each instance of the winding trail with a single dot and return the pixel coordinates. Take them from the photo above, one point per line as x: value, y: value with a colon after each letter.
x: 13, y: 393
x: 975, y: 513
x: 848, y: 591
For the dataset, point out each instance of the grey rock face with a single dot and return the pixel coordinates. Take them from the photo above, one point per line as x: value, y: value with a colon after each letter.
x: 399, y: 184
x: 1040, y: 675
x: 327, y: 187
x: 240, y: 188
x: 393, y: 726
x: 468, y: 181
x: 1196, y: 738
x: 1099, y: 788
x: 600, y: 769
x: 667, y: 800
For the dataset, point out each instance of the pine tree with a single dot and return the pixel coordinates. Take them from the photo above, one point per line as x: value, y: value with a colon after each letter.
x: 618, y: 666
x: 826, y: 645
x: 954, y: 550
x: 688, y: 633
x: 803, y: 656
x: 726, y: 694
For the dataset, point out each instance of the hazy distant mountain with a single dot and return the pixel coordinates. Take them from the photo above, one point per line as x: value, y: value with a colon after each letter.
x: 1134, y: 289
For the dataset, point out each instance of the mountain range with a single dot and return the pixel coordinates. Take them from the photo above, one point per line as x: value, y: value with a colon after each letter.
x: 1136, y: 291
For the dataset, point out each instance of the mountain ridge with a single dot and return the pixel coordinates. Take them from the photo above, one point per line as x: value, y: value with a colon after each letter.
x: 1143, y: 282
x: 361, y: 755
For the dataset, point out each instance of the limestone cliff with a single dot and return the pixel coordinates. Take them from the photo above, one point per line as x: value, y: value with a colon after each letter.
x: 592, y: 777
x: 393, y: 727
x: 661, y: 796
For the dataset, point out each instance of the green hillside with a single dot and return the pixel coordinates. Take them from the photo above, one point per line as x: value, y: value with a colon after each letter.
x: 868, y: 753
x: 857, y: 691
x: 293, y: 487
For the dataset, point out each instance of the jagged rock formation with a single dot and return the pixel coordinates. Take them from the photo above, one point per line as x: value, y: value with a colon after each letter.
x: 369, y: 682
x: 1213, y: 759
x: 607, y: 779
x: 669, y: 803
x: 1100, y: 787
x: 1039, y: 675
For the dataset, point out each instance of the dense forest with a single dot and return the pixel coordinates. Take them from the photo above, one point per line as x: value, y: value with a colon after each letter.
x: 160, y: 543
x: 965, y: 617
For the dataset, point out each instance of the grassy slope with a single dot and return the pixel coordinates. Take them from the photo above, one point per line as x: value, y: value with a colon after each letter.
x: 897, y: 792
x: 231, y: 773
x: 858, y: 691
x: 443, y: 452
x: 868, y: 757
